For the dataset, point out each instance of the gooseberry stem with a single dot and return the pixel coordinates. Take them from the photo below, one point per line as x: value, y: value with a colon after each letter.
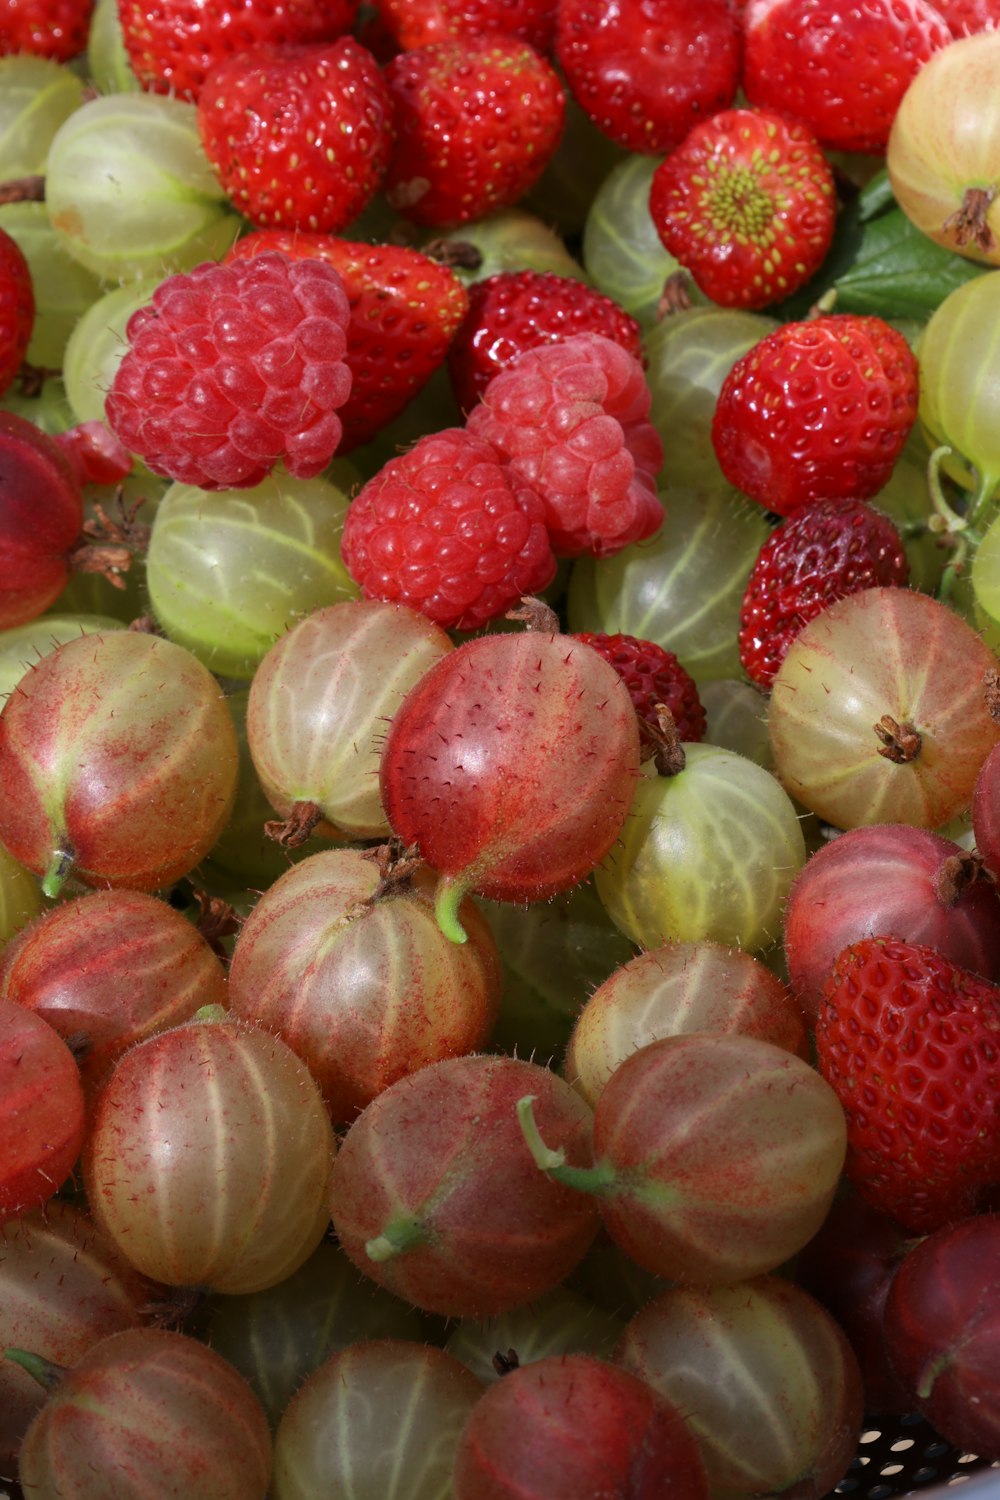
x: 38, y: 1367
x: 398, y: 1235
x: 446, y: 903
x: 58, y: 869
x: 601, y: 1178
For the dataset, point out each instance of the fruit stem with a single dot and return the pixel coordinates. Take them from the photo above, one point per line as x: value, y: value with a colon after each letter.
x: 601, y: 1178
x: 43, y: 1370
x: 447, y: 900
x: 55, y: 876
x: 398, y: 1235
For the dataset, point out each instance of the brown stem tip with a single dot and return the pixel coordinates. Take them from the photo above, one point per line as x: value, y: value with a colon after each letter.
x: 675, y: 296
x: 957, y: 873
x: 968, y: 223
x: 991, y: 693
x: 504, y: 1363
x: 535, y: 614
x: 395, y: 866
x: 462, y: 255
x: 668, y: 750
x: 900, y: 743
x: 23, y: 190
x: 293, y: 831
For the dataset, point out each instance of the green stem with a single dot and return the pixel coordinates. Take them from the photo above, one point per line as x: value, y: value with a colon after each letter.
x: 449, y: 897
x: 210, y: 1013
x: 950, y: 518
x: 398, y: 1235
x: 952, y: 569
x: 43, y: 1370
x: 931, y: 1374
x: 601, y: 1178
x: 984, y: 494
x: 59, y: 867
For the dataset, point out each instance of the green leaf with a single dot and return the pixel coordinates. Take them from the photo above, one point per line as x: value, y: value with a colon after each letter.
x: 899, y: 273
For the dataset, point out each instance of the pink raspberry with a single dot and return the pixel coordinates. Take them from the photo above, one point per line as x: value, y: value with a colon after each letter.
x: 571, y: 420
x: 448, y: 530
x: 232, y: 369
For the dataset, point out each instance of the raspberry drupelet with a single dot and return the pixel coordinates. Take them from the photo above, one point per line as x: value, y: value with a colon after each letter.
x: 233, y: 369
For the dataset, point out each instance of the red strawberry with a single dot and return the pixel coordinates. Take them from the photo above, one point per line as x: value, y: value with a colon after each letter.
x: 17, y: 309
x: 47, y: 28
x: 477, y: 121
x: 653, y: 676
x: 747, y: 204
x: 910, y: 1043
x: 842, y: 68
x: 416, y: 23
x: 174, y: 44
x: 405, y: 309
x: 298, y: 136
x: 966, y: 17
x: 825, y: 551
x: 816, y: 410
x: 646, y: 73
x: 517, y: 310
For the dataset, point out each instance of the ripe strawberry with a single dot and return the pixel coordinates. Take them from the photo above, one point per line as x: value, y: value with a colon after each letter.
x: 816, y: 410
x: 646, y: 73
x: 57, y: 29
x: 841, y: 68
x: 477, y: 121
x: 173, y: 45
x: 653, y: 676
x: 405, y: 309
x: 966, y: 17
x: 518, y: 310
x: 298, y: 136
x: 910, y: 1043
x: 823, y: 552
x: 17, y: 309
x: 747, y: 204
x: 416, y: 23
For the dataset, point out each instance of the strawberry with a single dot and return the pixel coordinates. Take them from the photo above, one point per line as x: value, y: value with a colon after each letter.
x: 747, y: 204
x: 57, y: 29
x: 173, y: 45
x: 17, y: 309
x: 477, y: 120
x: 646, y: 73
x: 841, y: 68
x: 910, y: 1043
x: 653, y: 677
x: 299, y: 137
x: 405, y: 309
x: 823, y: 552
x: 966, y: 17
x: 517, y: 310
x: 818, y: 409
x: 416, y: 23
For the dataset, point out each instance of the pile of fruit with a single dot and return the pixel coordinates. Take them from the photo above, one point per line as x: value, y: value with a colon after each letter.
x: 500, y: 744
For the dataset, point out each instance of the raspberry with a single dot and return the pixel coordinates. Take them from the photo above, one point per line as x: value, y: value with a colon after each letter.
x: 446, y: 529
x: 653, y: 675
x: 571, y: 419
x: 233, y: 369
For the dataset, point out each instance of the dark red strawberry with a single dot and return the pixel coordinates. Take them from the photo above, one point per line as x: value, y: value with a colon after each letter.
x: 653, y: 676
x: 911, y: 1045
x: 173, y: 45
x: 17, y: 309
x: 57, y: 29
x: 825, y: 551
x: 405, y: 309
x: 646, y: 73
x: 299, y: 137
x: 518, y: 310
x: 816, y: 410
x: 477, y: 121
x: 747, y: 204
x: 416, y: 23
x: 841, y: 68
